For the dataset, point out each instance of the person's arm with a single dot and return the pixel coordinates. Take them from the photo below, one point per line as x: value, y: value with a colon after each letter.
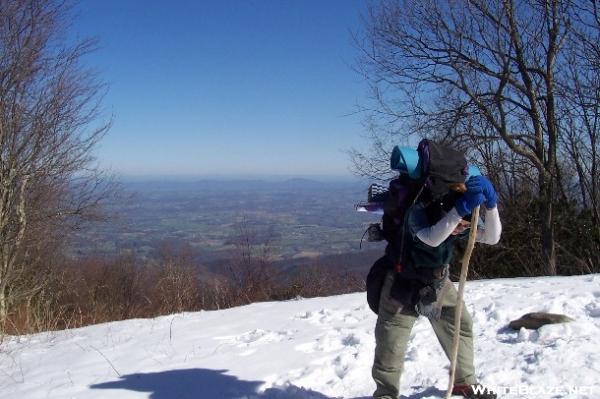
x: 479, y: 190
x: 490, y: 234
x: 437, y: 234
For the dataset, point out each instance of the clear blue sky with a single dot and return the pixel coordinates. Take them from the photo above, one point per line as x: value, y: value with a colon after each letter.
x: 227, y: 87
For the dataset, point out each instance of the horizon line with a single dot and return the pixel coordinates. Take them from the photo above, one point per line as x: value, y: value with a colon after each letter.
x: 234, y: 176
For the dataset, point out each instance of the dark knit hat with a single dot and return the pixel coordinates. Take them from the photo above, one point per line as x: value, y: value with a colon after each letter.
x: 445, y: 165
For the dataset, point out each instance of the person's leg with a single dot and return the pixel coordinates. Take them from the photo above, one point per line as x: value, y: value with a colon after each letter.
x: 444, y: 330
x: 391, y: 337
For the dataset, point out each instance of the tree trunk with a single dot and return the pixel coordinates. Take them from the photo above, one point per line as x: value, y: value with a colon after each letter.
x: 3, y: 308
x: 547, y: 226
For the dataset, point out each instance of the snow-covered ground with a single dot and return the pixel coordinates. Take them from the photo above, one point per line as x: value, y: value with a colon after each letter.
x: 312, y: 349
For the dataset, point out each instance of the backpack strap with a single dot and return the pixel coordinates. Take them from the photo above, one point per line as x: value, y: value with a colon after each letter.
x: 405, y: 231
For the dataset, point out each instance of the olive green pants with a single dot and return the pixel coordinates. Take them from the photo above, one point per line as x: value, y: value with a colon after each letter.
x: 393, y: 331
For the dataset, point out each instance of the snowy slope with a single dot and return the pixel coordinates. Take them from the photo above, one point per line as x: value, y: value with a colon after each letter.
x: 314, y: 348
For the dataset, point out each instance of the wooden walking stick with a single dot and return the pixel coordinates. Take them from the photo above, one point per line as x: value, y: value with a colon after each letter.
x: 461, y: 288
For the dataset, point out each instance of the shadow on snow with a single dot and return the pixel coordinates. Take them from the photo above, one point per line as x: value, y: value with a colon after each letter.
x: 216, y: 384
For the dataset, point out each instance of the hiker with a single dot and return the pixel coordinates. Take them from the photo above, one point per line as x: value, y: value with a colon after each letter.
x: 417, y: 283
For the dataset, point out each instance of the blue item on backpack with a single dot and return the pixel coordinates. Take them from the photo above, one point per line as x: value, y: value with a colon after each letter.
x: 473, y: 171
x: 406, y: 160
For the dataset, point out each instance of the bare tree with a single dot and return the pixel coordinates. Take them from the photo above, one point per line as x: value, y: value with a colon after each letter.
x: 49, y: 125
x: 251, y: 269
x: 581, y: 108
x: 481, y: 74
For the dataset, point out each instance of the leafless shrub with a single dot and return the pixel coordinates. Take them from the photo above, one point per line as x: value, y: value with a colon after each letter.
x: 251, y: 269
x: 322, y: 279
x: 177, y: 285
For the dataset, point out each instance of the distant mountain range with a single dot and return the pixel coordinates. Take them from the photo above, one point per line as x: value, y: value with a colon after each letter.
x: 298, y: 182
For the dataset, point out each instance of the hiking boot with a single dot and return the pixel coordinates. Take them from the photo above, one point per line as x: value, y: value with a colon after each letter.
x: 475, y: 391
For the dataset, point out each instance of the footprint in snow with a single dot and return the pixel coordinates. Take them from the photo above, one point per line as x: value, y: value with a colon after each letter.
x: 331, y: 341
x: 342, y: 365
x: 303, y: 315
x: 257, y: 336
x: 350, y: 340
x: 593, y: 309
x: 323, y: 316
x: 326, y: 343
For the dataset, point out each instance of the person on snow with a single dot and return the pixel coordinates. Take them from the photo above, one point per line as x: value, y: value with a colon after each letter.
x: 418, y: 283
